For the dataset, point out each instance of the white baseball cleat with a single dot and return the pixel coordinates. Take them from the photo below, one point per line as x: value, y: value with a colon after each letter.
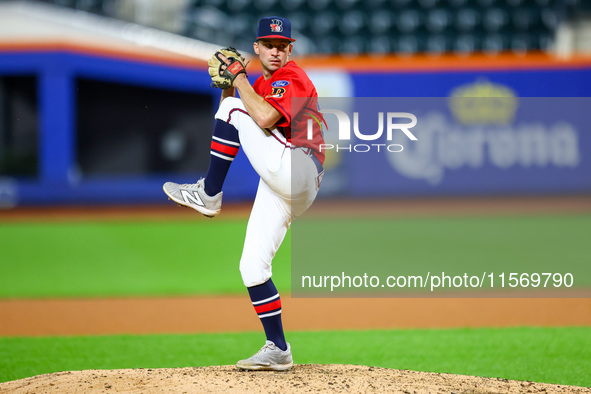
x: 192, y: 195
x: 269, y: 358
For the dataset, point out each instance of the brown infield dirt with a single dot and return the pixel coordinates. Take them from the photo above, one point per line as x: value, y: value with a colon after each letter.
x: 232, y: 314
x: 304, y: 378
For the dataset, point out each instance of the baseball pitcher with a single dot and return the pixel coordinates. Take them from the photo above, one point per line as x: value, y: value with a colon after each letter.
x: 281, y: 136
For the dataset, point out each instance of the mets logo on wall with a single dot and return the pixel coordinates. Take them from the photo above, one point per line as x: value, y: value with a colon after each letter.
x: 276, y: 25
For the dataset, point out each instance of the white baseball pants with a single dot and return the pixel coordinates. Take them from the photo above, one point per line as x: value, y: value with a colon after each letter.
x: 287, y: 187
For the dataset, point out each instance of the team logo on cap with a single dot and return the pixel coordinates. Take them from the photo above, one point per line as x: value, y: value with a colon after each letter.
x: 276, y: 26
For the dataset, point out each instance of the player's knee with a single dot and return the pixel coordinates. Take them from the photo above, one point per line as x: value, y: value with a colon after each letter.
x: 227, y: 106
x: 254, y: 274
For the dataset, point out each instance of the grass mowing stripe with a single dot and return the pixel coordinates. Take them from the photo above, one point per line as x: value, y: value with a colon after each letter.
x: 550, y: 355
x: 124, y: 259
x: 472, y: 245
x: 202, y: 257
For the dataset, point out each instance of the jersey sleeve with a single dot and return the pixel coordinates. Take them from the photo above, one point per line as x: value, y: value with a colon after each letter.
x: 280, y: 92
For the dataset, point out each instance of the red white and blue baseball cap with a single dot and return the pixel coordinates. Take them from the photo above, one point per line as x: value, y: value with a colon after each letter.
x: 274, y: 27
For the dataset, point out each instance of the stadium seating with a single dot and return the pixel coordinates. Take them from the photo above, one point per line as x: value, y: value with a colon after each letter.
x: 377, y: 26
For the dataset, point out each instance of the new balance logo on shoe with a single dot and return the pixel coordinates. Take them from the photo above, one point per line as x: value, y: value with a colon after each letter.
x: 191, y: 197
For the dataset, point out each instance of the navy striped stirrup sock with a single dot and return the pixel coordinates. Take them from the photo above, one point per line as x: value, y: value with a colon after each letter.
x: 267, y: 304
x: 224, y: 148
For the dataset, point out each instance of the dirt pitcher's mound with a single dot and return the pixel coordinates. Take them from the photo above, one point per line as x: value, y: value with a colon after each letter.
x: 302, y: 378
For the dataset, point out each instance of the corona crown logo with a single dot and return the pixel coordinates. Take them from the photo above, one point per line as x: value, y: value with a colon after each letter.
x: 483, y: 102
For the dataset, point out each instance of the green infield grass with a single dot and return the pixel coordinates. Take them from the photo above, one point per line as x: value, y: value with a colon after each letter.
x: 550, y: 355
x: 173, y: 258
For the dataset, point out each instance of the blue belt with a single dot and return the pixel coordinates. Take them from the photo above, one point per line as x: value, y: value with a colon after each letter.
x: 310, y: 153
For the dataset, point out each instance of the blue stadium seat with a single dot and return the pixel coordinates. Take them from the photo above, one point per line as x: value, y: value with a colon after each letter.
x: 239, y: 5
x: 319, y: 5
x: 426, y: 4
x: 214, y: 3
x: 437, y: 44
x: 380, y: 45
x: 292, y: 5
x: 456, y: 3
x: 465, y: 44
x: 495, y: 19
x: 380, y: 22
x: 353, y: 45
x: 264, y: 5
x: 299, y: 21
x: 345, y: 4
x: 408, y: 45
x: 493, y: 44
x: 409, y: 20
x: 544, y: 41
x: 487, y: 3
x: 549, y: 18
x: 371, y: 5
x: 438, y: 20
x: 521, y: 43
x: 525, y: 18
x: 400, y: 3
x: 328, y: 44
x: 323, y: 23
x: 351, y: 22
x: 467, y: 19
x: 543, y: 3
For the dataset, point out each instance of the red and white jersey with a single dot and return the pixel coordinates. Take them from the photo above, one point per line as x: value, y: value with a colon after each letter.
x: 290, y: 91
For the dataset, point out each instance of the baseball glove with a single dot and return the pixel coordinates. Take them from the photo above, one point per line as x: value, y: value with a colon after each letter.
x: 222, y: 73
